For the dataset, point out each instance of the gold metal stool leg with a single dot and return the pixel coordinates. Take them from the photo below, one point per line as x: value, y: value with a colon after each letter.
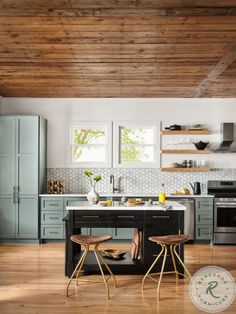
x: 80, y: 264
x: 101, y: 270
x: 174, y: 264
x: 151, y: 267
x: 181, y: 262
x: 107, y: 267
x: 162, y: 269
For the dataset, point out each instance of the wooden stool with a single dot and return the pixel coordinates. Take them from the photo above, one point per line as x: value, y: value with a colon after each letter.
x: 86, y: 241
x: 172, y: 241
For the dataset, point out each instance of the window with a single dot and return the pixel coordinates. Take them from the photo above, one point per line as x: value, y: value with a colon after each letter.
x: 135, y: 144
x: 90, y: 144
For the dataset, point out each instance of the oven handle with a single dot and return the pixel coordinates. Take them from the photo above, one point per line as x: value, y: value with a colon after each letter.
x: 225, y: 204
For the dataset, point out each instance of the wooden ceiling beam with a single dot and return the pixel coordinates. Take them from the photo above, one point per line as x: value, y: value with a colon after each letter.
x: 117, y: 8
x: 228, y: 58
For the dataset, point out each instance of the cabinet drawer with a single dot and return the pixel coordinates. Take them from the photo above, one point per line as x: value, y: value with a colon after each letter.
x: 51, y: 204
x: 163, y: 220
x: 70, y: 201
x: 204, y: 232
x: 51, y: 217
x: 108, y: 218
x: 204, y: 203
x: 204, y: 218
x: 52, y: 232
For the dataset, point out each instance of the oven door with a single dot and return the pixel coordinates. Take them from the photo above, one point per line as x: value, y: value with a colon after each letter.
x: 225, y: 217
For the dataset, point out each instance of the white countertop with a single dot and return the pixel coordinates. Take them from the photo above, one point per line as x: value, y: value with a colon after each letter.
x: 127, y: 195
x: 171, y: 204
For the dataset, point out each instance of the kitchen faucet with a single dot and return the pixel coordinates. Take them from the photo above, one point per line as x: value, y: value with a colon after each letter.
x: 112, y: 181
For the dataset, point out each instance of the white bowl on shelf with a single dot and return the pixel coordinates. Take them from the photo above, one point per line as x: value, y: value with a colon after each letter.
x: 170, y: 165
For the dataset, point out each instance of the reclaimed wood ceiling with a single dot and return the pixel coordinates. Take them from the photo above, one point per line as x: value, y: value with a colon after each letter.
x: 117, y: 48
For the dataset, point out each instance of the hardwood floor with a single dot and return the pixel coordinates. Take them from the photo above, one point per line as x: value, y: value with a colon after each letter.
x: 32, y: 281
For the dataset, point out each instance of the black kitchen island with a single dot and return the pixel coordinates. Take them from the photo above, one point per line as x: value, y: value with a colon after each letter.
x: 151, y: 220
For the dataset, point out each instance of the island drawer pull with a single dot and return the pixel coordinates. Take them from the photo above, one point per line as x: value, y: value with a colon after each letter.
x: 94, y: 216
x: 126, y: 217
x: 161, y: 217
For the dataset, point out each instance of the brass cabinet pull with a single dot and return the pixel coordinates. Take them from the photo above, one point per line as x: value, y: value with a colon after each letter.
x: 161, y: 217
x: 91, y: 216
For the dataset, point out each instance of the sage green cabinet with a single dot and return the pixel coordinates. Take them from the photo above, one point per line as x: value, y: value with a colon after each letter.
x: 53, y: 209
x: 52, y: 214
x: 204, y: 219
x: 7, y: 217
x: 22, y: 173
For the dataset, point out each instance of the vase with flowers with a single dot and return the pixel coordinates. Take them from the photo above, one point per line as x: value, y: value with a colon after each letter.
x: 92, y: 195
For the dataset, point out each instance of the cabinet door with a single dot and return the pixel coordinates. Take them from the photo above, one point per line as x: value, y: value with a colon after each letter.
x: 27, y: 217
x: 7, y: 217
x: 7, y: 155
x: 27, y: 155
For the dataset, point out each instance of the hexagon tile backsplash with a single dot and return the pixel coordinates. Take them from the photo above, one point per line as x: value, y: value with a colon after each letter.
x: 136, y: 181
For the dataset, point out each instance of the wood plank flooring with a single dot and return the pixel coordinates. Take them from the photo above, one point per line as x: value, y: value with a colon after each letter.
x: 32, y: 281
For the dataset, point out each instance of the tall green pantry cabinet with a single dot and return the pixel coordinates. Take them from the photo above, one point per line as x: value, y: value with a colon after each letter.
x: 22, y: 175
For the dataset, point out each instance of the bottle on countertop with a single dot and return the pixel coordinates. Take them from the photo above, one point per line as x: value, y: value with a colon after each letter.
x: 162, y: 195
x: 123, y: 199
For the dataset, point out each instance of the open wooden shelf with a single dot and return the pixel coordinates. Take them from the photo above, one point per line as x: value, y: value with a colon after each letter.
x: 185, y: 151
x: 186, y: 132
x: 186, y: 169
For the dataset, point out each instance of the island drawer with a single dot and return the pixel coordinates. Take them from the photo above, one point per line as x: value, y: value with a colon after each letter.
x: 110, y: 218
x: 162, y: 219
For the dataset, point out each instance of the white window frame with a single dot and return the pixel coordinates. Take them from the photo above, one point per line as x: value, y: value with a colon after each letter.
x: 117, y: 125
x: 95, y: 125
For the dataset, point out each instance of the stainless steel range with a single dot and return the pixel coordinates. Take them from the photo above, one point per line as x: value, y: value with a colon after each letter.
x: 224, y: 211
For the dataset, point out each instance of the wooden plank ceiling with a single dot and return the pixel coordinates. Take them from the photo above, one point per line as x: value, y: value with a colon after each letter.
x: 118, y: 48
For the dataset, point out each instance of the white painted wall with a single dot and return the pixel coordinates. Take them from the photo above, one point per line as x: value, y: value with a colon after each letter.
x: 59, y: 112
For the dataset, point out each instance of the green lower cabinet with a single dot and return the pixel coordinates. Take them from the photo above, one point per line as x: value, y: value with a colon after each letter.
x: 27, y: 216
x: 7, y: 218
x: 122, y: 233
x: 101, y: 231
x: 53, y: 210
x: 52, y: 232
x: 19, y: 220
x: 204, y: 219
x: 204, y: 232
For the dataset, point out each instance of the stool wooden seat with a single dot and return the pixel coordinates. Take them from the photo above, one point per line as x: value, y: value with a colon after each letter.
x: 171, y: 241
x: 88, y: 241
